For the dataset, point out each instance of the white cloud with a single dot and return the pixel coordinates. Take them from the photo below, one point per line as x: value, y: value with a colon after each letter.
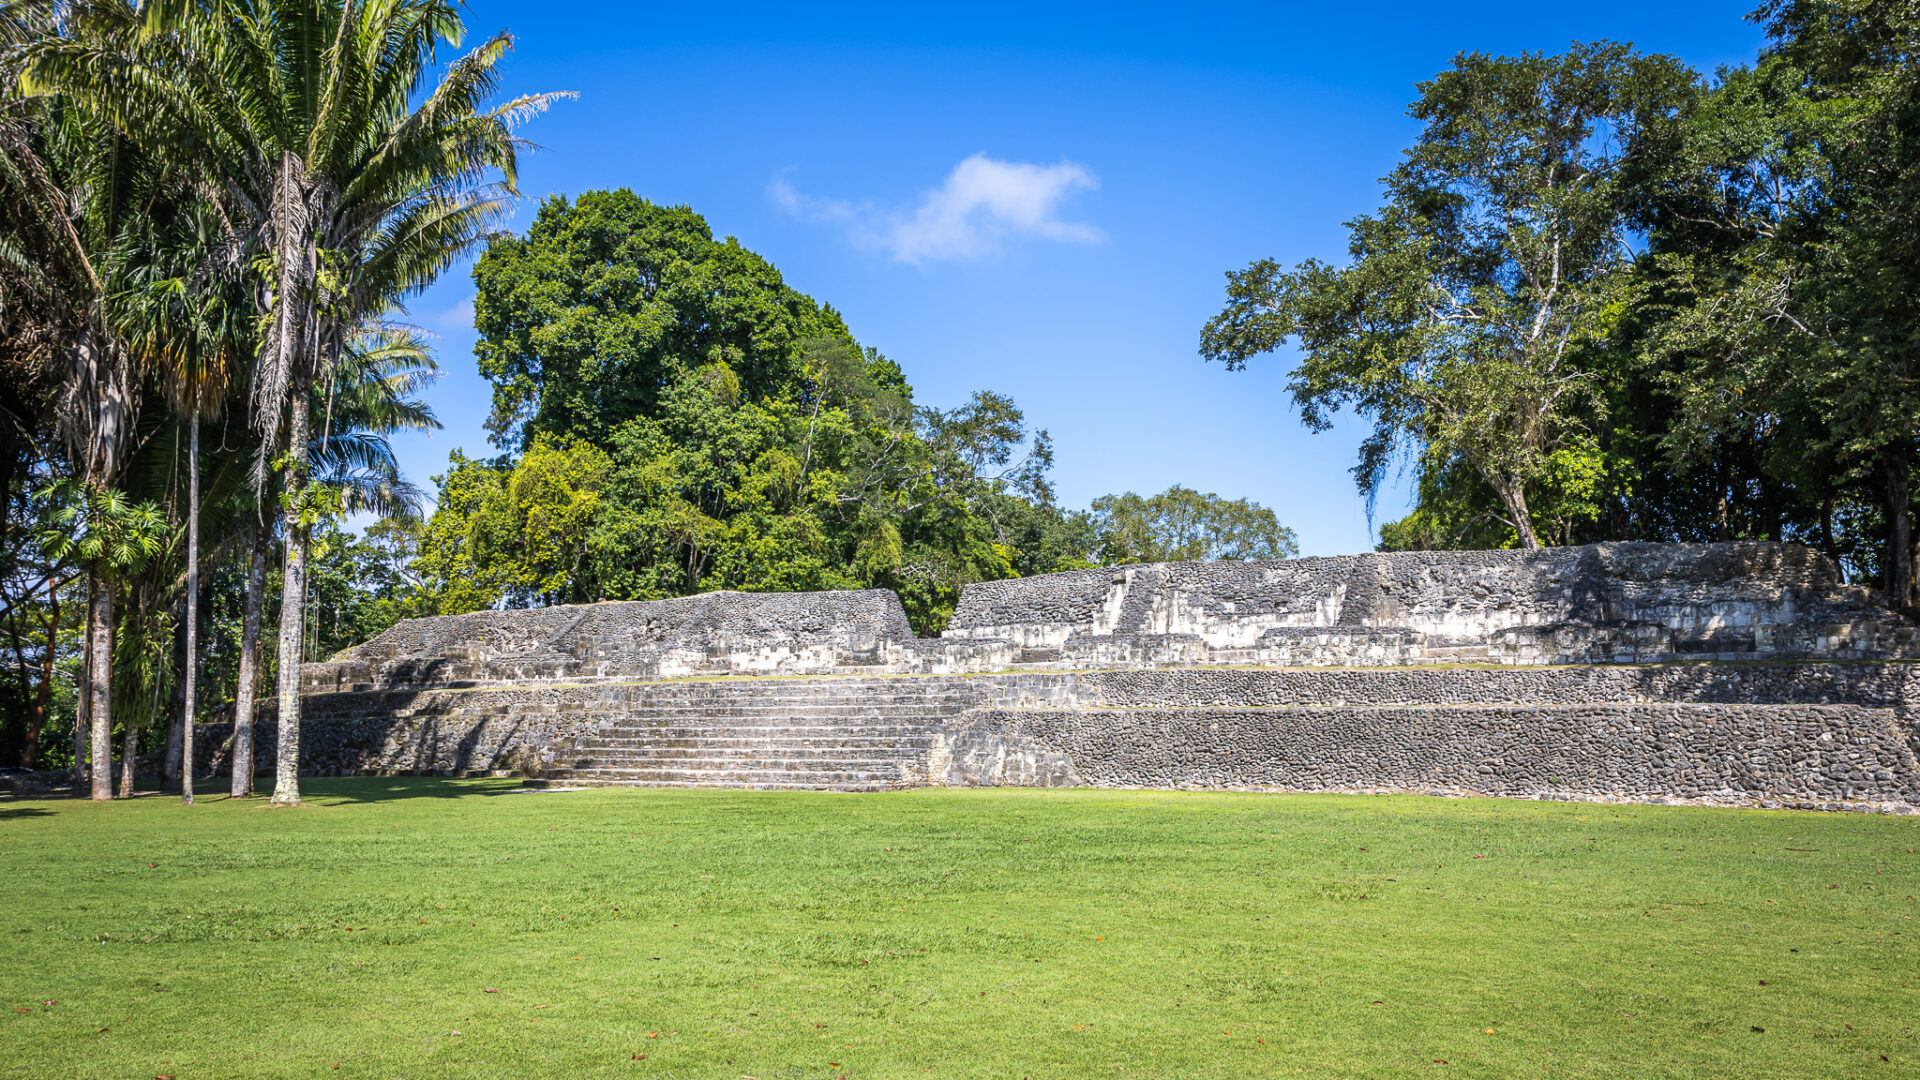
x: 982, y: 204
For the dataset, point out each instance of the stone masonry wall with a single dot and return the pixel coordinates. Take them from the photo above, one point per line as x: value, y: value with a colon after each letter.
x: 1619, y: 603
x: 1798, y: 734
x: 1546, y: 674
x: 1605, y: 603
x: 1827, y: 756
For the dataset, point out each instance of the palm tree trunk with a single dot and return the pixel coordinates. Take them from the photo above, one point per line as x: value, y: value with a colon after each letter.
x: 193, y: 607
x: 44, y: 701
x: 129, y: 749
x: 293, y: 595
x: 247, y: 687
x: 100, y: 685
x: 82, y: 706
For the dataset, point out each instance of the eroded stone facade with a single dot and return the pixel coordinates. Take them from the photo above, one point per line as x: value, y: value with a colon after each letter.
x: 1731, y: 673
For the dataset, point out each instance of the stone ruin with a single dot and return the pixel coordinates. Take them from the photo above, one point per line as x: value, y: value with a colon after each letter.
x: 1605, y: 603
x: 1613, y: 671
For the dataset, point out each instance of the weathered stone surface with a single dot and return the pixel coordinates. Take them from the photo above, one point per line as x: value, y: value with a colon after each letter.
x: 1431, y: 671
x: 1793, y: 755
x: 1604, y: 603
x: 719, y: 633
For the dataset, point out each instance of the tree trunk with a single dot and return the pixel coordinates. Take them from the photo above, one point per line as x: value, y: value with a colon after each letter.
x: 1899, y: 527
x: 44, y: 701
x: 83, y: 701
x: 193, y: 608
x: 129, y: 749
x: 247, y: 687
x: 170, y: 762
x: 1827, y: 546
x: 293, y: 595
x: 100, y: 686
x: 1513, y: 496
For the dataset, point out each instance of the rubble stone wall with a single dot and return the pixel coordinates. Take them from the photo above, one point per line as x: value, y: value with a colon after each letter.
x: 1786, y: 734
x: 1744, y: 672
x: 1825, y: 756
x: 1604, y: 603
x: 1619, y: 603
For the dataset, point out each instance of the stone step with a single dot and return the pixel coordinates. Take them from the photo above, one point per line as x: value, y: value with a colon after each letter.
x: 738, y: 776
x: 726, y: 730
x: 765, y: 704
x: 821, y: 686
x: 785, y: 712
x: 593, y: 781
x: 751, y: 752
x: 730, y: 765
x: 774, y: 713
x: 751, y: 746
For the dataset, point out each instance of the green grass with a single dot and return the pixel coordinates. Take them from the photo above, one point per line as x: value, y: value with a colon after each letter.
x: 950, y: 933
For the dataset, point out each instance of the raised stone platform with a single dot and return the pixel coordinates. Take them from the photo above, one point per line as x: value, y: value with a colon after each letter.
x: 1737, y: 673
x: 1605, y: 603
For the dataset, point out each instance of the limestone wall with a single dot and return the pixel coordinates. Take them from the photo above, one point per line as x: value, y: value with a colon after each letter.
x: 1789, y: 734
x: 719, y: 633
x: 1543, y: 674
x: 1622, y: 603
x: 1606, y: 603
x: 1827, y: 756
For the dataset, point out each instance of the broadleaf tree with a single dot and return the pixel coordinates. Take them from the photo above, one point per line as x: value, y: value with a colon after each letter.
x: 1501, y: 253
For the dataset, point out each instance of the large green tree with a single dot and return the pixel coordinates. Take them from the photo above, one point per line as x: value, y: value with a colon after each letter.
x: 1459, y: 323
x: 322, y: 128
x: 1786, y: 221
x: 1182, y: 525
x: 592, y: 316
x: 680, y: 419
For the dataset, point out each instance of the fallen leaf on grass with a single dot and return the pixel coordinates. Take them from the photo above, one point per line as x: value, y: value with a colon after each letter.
x: 1760, y: 1029
x: 18, y: 1009
x: 489, y: 991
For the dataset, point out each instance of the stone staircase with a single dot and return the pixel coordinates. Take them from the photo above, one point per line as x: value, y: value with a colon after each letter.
x: 827, y: 734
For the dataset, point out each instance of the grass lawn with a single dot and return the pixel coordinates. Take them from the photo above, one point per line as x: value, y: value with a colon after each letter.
x: 431, y: 928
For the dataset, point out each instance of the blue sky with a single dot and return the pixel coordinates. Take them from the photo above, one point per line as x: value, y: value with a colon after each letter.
x: 1035, y: 199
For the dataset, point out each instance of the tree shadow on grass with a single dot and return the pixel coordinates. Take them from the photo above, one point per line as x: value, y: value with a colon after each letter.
x: 9, y: 812
x: 371, y: 789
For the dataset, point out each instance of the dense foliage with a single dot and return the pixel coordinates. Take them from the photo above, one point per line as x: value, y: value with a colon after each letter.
x: 1603, y: 298
x: 679, y: 419
x: 1607, y: 299
x: 209, y: 211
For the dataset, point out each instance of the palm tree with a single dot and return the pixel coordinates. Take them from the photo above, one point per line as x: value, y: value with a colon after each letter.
x: 109, y: 535
x: 300, y: 116
x: 186, y: 312
x: 75, y: 192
